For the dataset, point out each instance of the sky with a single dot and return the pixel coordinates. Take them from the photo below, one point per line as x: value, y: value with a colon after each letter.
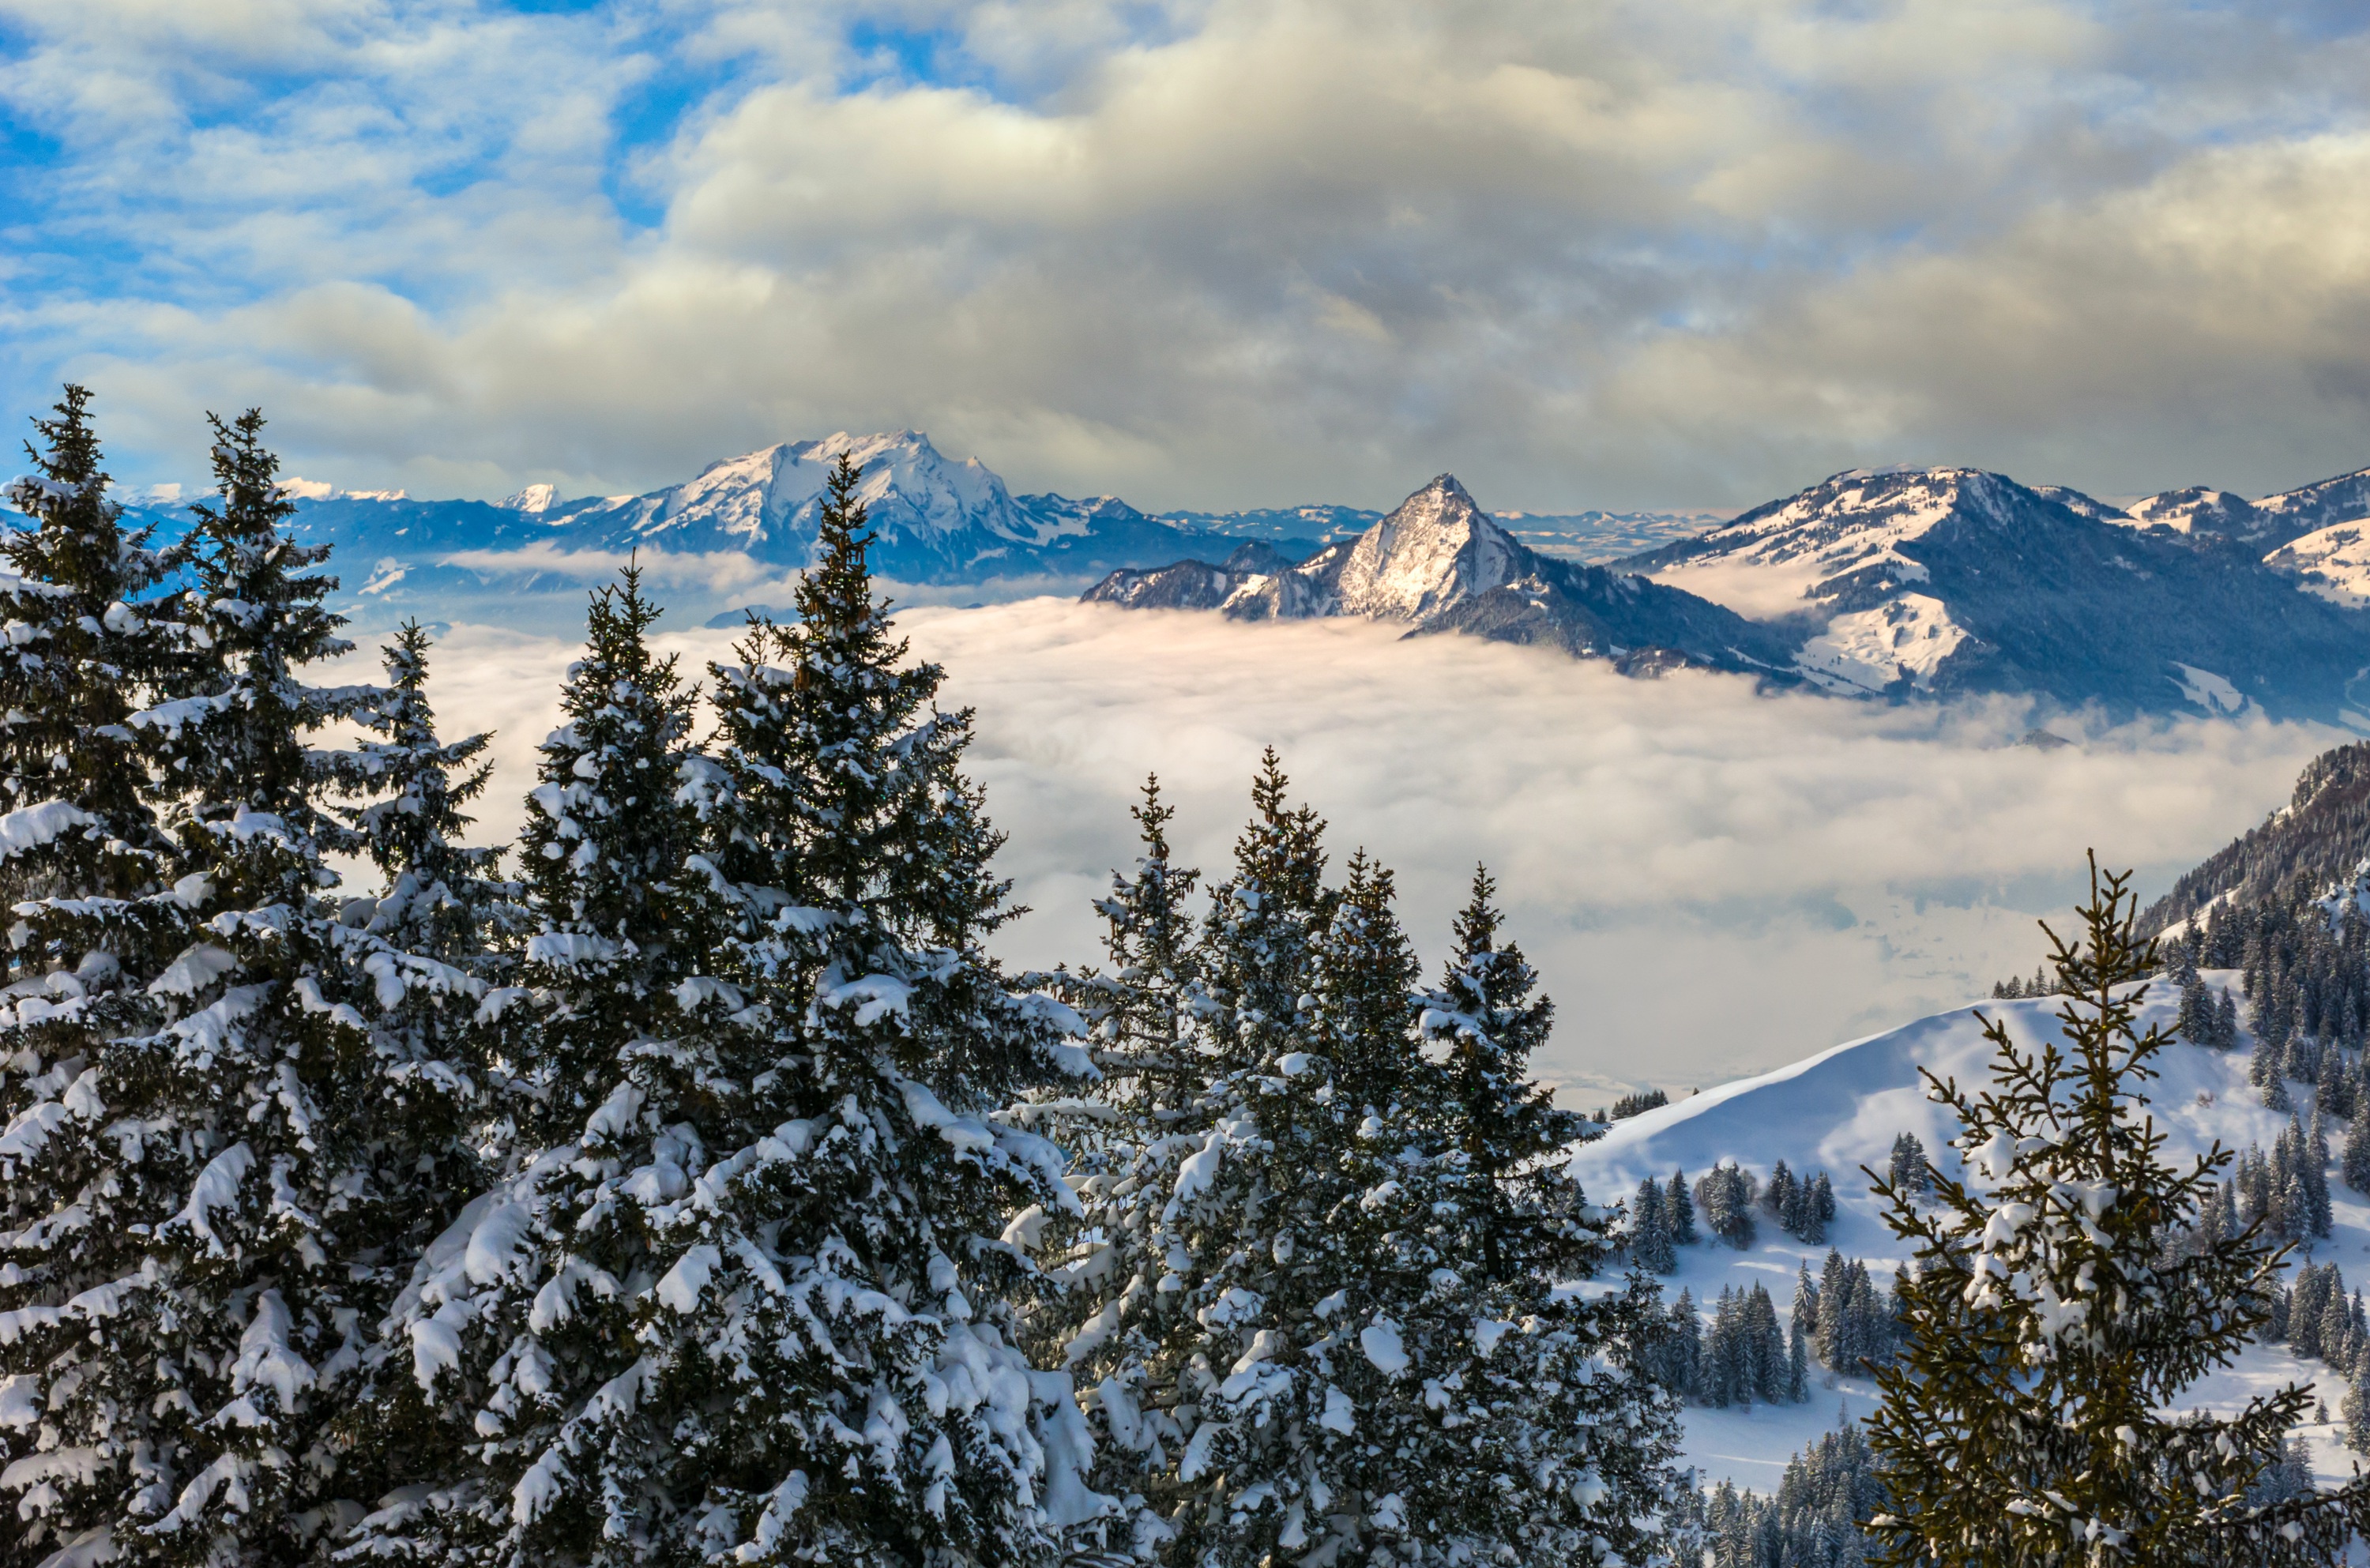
x: 1712, y: 882
x: 1629, y: 253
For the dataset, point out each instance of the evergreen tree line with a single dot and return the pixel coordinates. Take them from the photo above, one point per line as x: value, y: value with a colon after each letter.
x: 2015, y: 988
x: 1814, y: 1519
x: 705, y: 1191
x: 1631, y: 1105
x: 2304, y: 958
x: 1840, y: 1322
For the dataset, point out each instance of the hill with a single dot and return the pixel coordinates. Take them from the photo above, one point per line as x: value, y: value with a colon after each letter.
x: 1840, y: 1110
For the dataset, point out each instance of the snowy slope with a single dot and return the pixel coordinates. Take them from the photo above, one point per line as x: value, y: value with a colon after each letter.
x: 1948, y: 581
x: 2333, y: 562
x: 1840, y: 1110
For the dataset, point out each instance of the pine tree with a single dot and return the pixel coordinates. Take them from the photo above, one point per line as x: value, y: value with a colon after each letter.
x: 2356, y: 1166
x: 2050, y: 1327
x: 77, y: 657
x: 1680, y: 1208
x: 1906, y: 1168
x: 252, y: 1153
x: 1323, y: 1313
x: 754, y: 1306
x: 1649, y: 1231
x: 1138, y: 1007
x: 1725, y: 1195
x: 441, y: 894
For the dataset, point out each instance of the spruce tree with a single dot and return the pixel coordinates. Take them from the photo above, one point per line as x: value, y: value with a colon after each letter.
x: 249, y: 1160
x: 2051, y: 1328
x: 1321, y: 1318
x: 1649, y: 1231
x: 81, y: 651
x: 753, y: 1308
x: 1681, y: 1210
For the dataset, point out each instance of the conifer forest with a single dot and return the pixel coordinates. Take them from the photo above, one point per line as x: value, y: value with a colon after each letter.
x: 688, y: 1182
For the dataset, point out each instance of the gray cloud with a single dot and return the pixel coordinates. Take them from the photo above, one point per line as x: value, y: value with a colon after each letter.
x: 1691, y: 252
x: 1712, y: 882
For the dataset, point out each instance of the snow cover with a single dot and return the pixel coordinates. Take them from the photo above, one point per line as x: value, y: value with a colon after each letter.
x: 2209, y: 691
x: 1840, y: 1110
x: 1903, y: 639
x: 2333, y: 562
x: 1764, y: 564
x: 1435, y: 550
x: 742, y: 503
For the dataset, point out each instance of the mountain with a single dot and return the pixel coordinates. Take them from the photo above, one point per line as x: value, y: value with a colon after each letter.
x: 1839, y: 1111
x: 1438, y: 563
x: 933, y: 521
x: 1955, y: 580
x: 1591, y: 536
x: 2321, y: 834
x: 2217, y: 516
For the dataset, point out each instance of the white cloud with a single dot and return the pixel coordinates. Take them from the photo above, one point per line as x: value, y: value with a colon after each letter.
x: 1686, y: 252
x: 1712, y: 882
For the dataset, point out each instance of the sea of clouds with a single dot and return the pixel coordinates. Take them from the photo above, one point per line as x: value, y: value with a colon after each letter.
x: 1712, y: 882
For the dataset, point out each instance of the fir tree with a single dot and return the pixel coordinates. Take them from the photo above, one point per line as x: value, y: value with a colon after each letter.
x: 753, y: 1308
x: 2356, y: 1167
x: 1680, y: 1208
x: 1907, y: 1169
x: 80, y: 651
x: 1725, y: 1196
x: 1649, y: 1231
x: 2050, y: 1327
x: 252, y: 1158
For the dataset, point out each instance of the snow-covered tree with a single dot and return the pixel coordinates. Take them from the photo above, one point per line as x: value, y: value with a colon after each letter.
x: 76, y: 659
x: 2051, y: 1328
x: 440, y: 894
x: 750, y: 1306
x: 1650, y: 1230
x: 235, y: 1180
x: 1318, y: 1310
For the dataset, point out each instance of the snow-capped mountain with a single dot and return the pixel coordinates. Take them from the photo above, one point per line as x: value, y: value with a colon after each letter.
x: 1839, y: 1111
x: 934, y: 520
x: 1946, y: 581
x: 1591, y: 536
x: 1438, y: 563
x: 2218, y: 516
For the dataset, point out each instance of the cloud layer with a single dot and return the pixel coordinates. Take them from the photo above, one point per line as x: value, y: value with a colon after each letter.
x: 1712, y: 882
x: 1214, y: 252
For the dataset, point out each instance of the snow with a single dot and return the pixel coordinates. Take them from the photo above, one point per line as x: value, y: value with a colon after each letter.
x: 215, y: 1188
x: 1765, y: 566
x: 36, y: 825
x: 1903, y: 638
x: 2333, y: 562
x: 2208, y: 690
x: 1380, y: 1340
x: 1435, y: 550
x: 1840, y: 1110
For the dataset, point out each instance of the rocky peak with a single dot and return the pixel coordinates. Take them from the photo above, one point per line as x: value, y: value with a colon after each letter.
x: 1436, y: 551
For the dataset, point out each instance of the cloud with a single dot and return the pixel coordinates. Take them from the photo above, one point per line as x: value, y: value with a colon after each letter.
x: 1221, y: 252
x: 1712, y: 882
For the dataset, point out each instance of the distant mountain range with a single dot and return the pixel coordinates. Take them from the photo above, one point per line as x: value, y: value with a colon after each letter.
x: 740, y: 528
x: 1891, y: 582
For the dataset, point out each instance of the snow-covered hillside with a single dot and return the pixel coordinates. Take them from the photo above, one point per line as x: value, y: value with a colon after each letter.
x: 2333, y: 562
x: 1840, y: 1110
x: 1942, y: 581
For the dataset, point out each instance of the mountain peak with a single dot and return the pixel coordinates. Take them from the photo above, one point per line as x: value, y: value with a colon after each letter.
x: 1436, y: 549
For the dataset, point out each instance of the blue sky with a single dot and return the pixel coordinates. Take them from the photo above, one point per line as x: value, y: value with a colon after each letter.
x: 1686, y: 253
